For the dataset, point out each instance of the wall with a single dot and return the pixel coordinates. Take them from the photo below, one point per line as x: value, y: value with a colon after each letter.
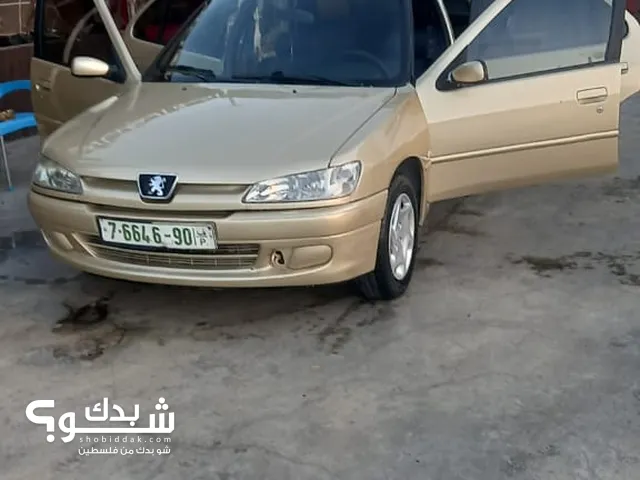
x: 14, y: 17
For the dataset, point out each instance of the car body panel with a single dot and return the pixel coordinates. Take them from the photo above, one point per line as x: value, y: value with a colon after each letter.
x: 318, y: 244
x: 395, y: 128
x: 57, y: 96
x: 396, y: 134
x: 499, y: 135
x: 102, y: 145
x: 630, y: 58
x: 479, y: 145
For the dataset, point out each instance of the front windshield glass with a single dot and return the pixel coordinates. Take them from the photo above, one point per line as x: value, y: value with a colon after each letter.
x: 316, y: 42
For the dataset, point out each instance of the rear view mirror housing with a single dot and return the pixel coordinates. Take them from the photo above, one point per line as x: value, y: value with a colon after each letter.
x: 89, y: 67
x: 469, y: 73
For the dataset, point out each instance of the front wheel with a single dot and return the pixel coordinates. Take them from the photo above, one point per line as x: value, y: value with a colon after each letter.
x: 396, y: 245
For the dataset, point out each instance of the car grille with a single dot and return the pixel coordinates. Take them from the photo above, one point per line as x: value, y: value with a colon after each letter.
x: 226, y: 256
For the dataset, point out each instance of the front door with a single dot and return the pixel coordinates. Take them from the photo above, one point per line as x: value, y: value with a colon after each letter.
x: 69, y: 28
x: 548, y: 107
x: 65, y: 29
x: 630, y: 57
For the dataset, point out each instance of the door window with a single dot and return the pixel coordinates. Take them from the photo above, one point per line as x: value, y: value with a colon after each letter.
x: 69, y: 29
x: 163, y: 18
x: 536, y: 36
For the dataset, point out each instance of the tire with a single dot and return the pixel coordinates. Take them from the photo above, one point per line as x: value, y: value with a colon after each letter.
x: 382, y: 283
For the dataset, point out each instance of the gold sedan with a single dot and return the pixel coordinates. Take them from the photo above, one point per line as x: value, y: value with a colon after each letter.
x: 283, y: 143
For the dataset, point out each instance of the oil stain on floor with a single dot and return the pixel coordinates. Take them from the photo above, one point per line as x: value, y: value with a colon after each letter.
x: 618, y: 264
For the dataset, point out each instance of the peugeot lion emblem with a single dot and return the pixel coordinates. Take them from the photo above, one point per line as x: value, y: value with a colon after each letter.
x: 158, y: 187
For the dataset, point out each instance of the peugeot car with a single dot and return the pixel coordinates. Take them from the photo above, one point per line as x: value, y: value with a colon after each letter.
x: 262, y: 143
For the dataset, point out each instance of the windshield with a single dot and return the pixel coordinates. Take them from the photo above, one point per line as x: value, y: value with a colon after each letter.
x: 327, y: 42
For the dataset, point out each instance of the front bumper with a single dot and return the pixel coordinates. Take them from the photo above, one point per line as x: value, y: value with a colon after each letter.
x: 318, y: 246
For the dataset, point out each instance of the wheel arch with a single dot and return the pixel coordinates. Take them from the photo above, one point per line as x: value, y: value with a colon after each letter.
x: 414, y: 167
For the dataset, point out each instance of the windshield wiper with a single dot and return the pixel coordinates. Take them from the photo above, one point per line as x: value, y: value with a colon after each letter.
x: 280, y: 77
x: 201, y: 73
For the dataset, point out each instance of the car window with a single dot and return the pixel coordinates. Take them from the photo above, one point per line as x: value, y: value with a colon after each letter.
x: 476, y: 7
x: 355, y: 42
x: 70, y: 29
x: 160, y: 22
x: 534, y: 36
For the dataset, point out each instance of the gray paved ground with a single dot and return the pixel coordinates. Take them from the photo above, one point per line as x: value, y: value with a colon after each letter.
x: 516, y: 355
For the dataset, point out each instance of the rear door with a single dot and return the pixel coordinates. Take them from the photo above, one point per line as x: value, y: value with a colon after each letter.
x: 549, y: 108
x: 63, y: 31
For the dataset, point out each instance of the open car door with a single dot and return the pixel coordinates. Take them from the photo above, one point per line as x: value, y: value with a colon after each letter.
x: 630, y: 57
x: 530, y: 92
x: 64, y: 30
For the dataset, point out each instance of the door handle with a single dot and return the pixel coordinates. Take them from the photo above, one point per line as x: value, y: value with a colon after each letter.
x: 42, y: 86
x: 592, y: 95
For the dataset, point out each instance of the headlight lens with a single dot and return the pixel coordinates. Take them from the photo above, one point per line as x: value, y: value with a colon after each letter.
x: 334, y: 182
x: 49, y: 174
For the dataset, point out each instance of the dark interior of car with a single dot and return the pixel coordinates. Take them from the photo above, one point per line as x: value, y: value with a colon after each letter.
x: 459, y: 13
x: 162, y: 20
x: 430, y: 38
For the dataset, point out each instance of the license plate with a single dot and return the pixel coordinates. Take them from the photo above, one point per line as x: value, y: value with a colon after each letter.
x: 159, y: 235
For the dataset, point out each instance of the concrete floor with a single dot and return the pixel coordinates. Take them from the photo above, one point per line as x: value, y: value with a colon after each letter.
x: 516, y: 355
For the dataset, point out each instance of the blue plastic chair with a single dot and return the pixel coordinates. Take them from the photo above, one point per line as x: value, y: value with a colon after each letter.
x: 22, y: 121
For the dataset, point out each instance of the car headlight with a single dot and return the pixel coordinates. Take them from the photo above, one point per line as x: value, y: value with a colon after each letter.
x: 326, y: 184
x: 49, y: 174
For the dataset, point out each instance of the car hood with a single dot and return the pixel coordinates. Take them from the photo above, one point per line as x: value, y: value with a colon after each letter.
x: 214, y: 133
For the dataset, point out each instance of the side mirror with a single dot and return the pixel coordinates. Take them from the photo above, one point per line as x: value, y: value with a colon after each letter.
x: 469, y: 73
x: 89, y: 67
